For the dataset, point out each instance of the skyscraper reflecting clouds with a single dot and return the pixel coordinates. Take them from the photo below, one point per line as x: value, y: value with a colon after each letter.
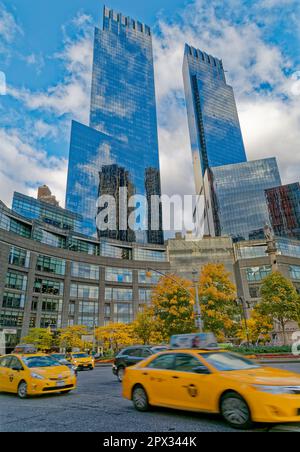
x: 123, y: 125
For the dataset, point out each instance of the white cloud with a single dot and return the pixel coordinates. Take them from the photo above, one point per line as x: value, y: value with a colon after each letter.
x: 72, y: 95
x: 8, y: 25
x: 23, y: 167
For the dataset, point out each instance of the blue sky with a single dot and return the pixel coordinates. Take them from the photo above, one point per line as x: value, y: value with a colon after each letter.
x: 46, y: 49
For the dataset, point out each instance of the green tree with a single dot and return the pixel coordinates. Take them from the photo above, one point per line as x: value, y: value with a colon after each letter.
x: 173, y: 307
x: 145, y: 328
x: 217, y: 299
x: 280, y: 301
x: 42, y: 338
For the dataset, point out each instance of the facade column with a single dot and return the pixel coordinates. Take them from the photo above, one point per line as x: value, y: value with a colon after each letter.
x: 29, y: 294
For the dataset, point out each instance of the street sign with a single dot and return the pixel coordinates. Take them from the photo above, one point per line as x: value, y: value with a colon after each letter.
x: 9, y: 331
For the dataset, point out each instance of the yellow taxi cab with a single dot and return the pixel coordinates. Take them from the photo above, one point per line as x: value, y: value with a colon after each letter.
x: 37, y: 374
x: 215, y: 381
x: 82, y: 361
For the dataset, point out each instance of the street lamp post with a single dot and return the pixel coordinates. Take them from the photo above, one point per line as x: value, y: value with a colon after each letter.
x: 197, y: 308
x: 240, y: 302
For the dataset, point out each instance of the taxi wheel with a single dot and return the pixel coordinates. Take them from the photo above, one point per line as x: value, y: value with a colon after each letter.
x: 22, y: 390
x: 120, y: 373
x: 235, y: 411
x: 140, y: 399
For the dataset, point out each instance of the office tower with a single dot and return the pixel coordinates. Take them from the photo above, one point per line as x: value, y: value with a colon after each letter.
x: 47, y: 212
x: 284, y: 210
x: 235, y: 198
x: 44, y: 194
x: 215, y: 133
x: 123, y: 126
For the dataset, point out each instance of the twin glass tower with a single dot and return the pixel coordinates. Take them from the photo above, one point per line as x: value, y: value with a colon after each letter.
x: 119, y: 148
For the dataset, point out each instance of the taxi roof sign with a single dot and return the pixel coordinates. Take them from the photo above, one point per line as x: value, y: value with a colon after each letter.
x: 25, y: 349
x: 196, y: 340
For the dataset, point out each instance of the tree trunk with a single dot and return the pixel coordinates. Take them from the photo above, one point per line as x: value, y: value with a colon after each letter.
x: 285, y: 340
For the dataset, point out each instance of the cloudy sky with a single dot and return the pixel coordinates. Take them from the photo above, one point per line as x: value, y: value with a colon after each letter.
x: 46, y: 54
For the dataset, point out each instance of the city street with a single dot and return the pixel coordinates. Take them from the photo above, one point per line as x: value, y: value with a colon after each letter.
x: 97, y: 405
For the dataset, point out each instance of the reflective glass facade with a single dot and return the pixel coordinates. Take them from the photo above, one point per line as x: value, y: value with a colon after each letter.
x: 120, y: 146
x: 215, y: 133
x: 235, y: 194
x: 34, y: 209
x: 284, y: 210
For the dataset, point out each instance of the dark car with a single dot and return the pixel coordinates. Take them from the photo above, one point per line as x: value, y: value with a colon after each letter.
x: 61, y: 357
x: 132, y: 355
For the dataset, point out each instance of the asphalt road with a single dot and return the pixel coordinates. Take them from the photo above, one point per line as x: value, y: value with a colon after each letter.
x: 97, y: 406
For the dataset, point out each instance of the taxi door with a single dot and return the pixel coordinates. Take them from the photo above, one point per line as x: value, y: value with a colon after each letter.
x: 15, y: 374
x: 4, y: 371
x: 192, y: 384
x: 157, y: 378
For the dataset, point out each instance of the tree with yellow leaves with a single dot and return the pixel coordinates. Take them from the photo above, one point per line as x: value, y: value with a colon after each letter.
x: 217, y: 299
x: 71, y: 337
x: 116, y: 336
x: 259, y: 328
x: 173, y: 306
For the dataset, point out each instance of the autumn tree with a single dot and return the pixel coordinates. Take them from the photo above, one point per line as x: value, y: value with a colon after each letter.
x: 258, y: 327
x: 145, y: 328
x: 71, y: 337
x: 116, y: 336
x: 217, y: 294
x: 280, y: 301
x: 40, y: 337
x: 173, y: 306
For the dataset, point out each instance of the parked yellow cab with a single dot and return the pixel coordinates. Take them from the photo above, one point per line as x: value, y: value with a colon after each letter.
x: 82, y: 361
x: 38, y: 374
x: 215, y: 381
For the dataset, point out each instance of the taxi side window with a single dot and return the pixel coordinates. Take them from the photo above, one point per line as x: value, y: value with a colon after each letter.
x: 4, y: 362
x: 15, y: 364
x: 162, y: 362
x: 145, y: 353
x: 187, y: 363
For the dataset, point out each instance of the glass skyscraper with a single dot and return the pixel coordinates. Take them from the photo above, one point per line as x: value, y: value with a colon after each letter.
x: 215, y: 132
x: 235, y: 198
x: 120, y: 146
x: 284, y: 210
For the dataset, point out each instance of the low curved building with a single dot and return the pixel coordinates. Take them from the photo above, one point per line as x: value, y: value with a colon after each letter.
x: 51, y: 277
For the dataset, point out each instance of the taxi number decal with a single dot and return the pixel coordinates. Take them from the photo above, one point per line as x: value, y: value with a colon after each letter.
x: 192, y: 390
x: 11, y: 378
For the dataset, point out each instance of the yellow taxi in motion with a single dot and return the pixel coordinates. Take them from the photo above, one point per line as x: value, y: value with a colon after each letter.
x: 30, y: 375
x: 81, y: 361
x: 215, y: 381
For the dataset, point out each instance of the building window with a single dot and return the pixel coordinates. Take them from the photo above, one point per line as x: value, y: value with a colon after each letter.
x: 141, y: 254
x: 19, y: 257
x: 118, y: 275
x: 52, y: 305
x: 85, y: 271
x: 13, y: 300
x: 118, y: 294
x: 146, y: 277
x: 258, y: 273
x: 123, y: 313
x: 254, y: 291
x: 34, y: 304
x: 84, y: 291
x: 16, y: 281
x: 294, y: 272
x: 108, y: 250
x: 145, y: 295
x: 51, y: 265
x: 48, y: 287
x: 53, y: 320
x: 11, y: 318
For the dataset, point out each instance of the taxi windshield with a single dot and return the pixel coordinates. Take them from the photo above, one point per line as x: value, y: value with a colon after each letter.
x: 228, y: 361
x: 80, y: 355
x: 40, y: 361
